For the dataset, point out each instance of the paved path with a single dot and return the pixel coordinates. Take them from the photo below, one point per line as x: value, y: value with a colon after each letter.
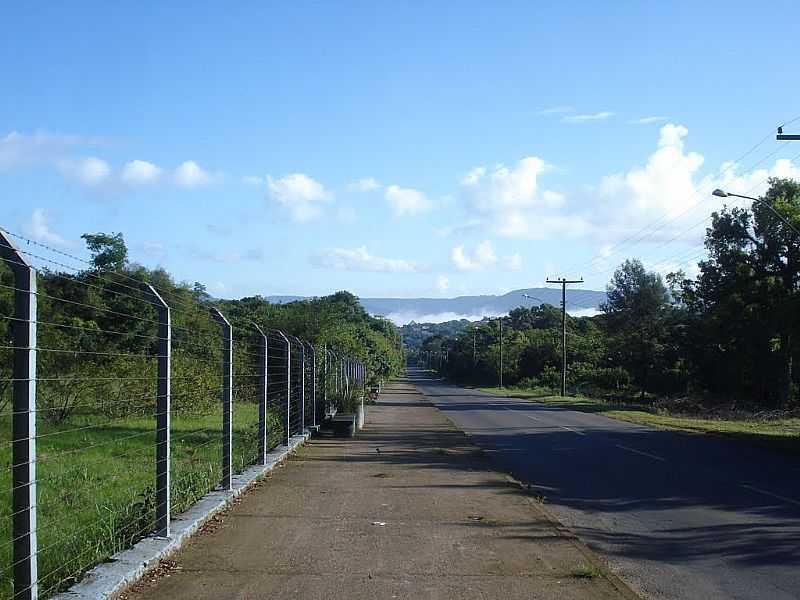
x: 679, y: 516
x: 424, y: 518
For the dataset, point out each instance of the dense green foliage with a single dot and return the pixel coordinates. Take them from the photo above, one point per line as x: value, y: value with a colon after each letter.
x: 96, y: 368
x: 414, y: 334
x: 727, y: 336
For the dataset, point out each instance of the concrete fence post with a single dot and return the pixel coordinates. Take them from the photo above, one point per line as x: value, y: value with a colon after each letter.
x: 263, y: 375
x: 227, y: 398
x: 163, y: 414
x: 325, y: 377
x: 313, y: 385
x: 288, y: 386
x: 302, y: 385
x: 23, y: 424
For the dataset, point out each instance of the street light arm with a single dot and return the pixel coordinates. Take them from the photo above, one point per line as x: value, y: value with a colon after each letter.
x: 722, y: 194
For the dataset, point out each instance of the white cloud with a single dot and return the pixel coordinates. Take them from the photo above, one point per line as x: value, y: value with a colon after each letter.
x: 299, y: 194
x: 514, y: 262
x: 189, y: 174
x: 449, y: 230
x: 405, y: 317
x: 554, y: 110
x: 753, y: 183
x: 442, y: 284
x: 38, y: 229
x: 689, y: 267
x: 647, y: 120
x: 89, y: 171
x: 359, y: 259
x: 483, y: 257
x: 407, y: 201
x: 665, y: 184
x: 504, y: 188
x: 585, y: 118
x: 253, y: 180
x: 19, y: 149
x: 582, y: 312
x: 367, y: 184
x: 509, y: 203
x: 139, y: 172
x: 667, y: 197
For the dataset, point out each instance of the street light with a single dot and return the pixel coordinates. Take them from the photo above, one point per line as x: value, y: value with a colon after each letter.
x: 529, y: 297
x: 723, y: 194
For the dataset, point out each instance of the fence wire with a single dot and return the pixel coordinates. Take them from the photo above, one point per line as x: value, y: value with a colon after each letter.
x: 100, y: 357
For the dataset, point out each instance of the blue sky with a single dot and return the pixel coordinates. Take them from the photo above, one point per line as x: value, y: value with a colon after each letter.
x: 391, y: 148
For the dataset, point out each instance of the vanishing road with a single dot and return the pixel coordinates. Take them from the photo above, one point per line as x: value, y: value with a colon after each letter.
x: 676, y: 515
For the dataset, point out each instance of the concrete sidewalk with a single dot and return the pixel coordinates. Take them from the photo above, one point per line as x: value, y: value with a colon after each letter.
x: 408, y: 509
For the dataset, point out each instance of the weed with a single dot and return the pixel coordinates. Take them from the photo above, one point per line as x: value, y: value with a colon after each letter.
x: 586, y: 572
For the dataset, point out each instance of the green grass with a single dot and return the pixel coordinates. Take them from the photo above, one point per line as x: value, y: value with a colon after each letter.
x: 585, y: 572
x: 96, y: 489
x: 779, y: 434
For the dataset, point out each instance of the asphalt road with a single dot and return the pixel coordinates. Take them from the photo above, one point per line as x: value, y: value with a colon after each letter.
x: 676, y: 515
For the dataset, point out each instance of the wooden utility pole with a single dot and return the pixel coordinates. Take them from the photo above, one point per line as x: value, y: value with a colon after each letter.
x: 564, y: 282
x: 474, y: 349
x: 501, y: 353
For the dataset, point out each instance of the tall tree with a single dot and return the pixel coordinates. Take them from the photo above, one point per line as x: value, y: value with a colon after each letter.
x: 635, y: 310
x: 746, y: 298
x: 109, y: 252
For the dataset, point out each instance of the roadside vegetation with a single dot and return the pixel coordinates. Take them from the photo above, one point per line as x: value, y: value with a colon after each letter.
x: 712, y: 353
x: 766, y: 429
x: 96, y: 388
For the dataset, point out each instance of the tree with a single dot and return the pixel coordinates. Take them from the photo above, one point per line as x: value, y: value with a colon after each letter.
x: 745, y: 300
x: 109, y: 252
x: 636, y: 305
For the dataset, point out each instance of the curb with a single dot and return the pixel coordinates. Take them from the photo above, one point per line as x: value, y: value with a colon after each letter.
x: 108, y: 579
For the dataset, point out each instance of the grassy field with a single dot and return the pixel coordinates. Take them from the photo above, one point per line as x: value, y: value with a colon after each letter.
x: 779, y: 434
x: 96, y: 491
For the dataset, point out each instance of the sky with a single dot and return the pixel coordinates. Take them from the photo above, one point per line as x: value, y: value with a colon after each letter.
x: 393, y: 149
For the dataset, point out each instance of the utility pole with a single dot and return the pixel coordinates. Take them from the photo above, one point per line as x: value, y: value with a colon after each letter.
x: 474, y: 349
x: 501, y: 353
x: 500, y: 320
x: 564, y: 282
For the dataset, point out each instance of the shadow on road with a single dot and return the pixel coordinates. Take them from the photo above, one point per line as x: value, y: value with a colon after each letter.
x: 656, y: 495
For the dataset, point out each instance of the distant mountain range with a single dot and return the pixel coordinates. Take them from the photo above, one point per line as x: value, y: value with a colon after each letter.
x: 437, y: 310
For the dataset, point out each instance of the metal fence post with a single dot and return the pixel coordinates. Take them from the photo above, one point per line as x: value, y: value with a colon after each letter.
x: 263, y: 374
x: 163, y: 417
x: 23, y: 424
x: 227, y: 398
x: 288, y: 386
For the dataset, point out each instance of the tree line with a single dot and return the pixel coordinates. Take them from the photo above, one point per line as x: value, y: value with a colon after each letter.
x: 728, y: 335
x: 96, y: 325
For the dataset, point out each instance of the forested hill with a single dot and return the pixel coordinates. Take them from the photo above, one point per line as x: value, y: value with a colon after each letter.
x: 405, y: 310
x: 414, y: 334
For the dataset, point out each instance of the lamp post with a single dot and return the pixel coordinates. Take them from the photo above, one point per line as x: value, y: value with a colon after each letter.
x: 723, y: 194
x: 529, y: 297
